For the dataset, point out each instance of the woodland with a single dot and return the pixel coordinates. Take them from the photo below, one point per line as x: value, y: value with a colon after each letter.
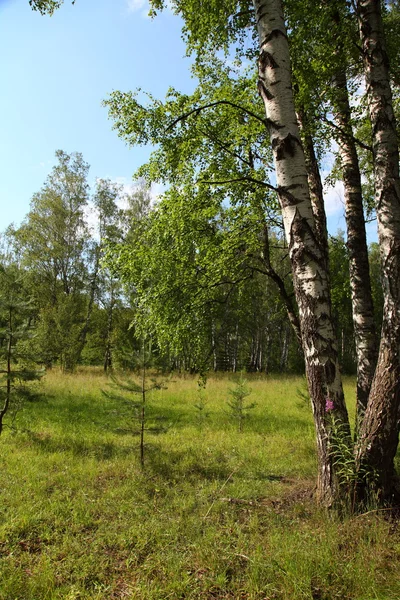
x: 231, y: 269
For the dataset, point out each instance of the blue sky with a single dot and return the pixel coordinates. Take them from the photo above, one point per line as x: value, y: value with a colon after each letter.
x: 55, y: 72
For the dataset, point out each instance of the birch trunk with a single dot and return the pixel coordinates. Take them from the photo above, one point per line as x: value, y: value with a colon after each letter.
x: 378, y: 439
x: 85, y: 328
x: 307, y: 257
x: 360, y: 283
x: 315, y: 185
x: 108, y: 362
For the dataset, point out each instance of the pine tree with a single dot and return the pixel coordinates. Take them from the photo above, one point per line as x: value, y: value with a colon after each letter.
x: 126, y: 390
x: 17, y: 369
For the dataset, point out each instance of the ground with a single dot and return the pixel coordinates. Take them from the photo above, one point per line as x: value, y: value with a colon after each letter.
x: 213, y: 514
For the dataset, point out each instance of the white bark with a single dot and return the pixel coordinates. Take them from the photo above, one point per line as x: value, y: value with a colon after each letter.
x: 362, y: 305
x: 307, y: 257
x: 379, y: 435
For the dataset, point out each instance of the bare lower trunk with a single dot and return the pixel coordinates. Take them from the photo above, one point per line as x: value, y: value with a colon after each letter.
x: 307, y: 257
x: 7, y: 399
x: 213, y: 346
x: 378, y: 439
x: 108, y: 362
x: 236, y: 349
x: 85, y: 328
x: 108, y: 358
x: 362, y: 305
x: 143, y: 411
x: 285, y: 348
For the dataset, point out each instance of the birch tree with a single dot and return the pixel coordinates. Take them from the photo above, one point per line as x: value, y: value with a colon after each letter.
x: 311, y: 281
x: 323, y: 84
x: 363, y: 309
x: 222, y: 24
x: 379, y: 431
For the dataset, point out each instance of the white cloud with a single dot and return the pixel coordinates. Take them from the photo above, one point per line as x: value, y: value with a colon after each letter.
x: 128, y: 187
x: 334, y: 199
x: 143, y: 7
x: 135, y: 5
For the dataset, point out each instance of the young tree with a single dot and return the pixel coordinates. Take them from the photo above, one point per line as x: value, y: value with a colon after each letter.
x: 126, y: 390
x: 237, y: 404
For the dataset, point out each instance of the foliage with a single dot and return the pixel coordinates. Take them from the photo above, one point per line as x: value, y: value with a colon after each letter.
x: 54, y: 248
x: 17, y: 367
x: 238, y: 405
x: 47, y: 6
x: 349, y: 477
x: 205, y: 247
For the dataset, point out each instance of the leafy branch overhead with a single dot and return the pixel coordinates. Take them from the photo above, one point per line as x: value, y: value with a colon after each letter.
x: 47, y: 6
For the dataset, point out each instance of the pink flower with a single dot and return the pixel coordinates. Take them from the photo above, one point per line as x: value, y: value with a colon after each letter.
x: 329, y: 405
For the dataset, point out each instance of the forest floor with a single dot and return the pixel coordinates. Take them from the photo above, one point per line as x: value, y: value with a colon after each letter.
x: 214, y: 513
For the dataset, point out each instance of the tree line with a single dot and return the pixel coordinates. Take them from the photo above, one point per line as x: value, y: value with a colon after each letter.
x: 59, y: 263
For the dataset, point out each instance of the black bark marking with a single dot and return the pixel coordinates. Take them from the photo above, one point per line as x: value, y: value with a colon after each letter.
x: 273, y: 34
x: 287, y: 198
x: 300, y: 229
x: 330, y: 371
x: 266, y: 60
x: 263, y: 90
x: 285, y: 147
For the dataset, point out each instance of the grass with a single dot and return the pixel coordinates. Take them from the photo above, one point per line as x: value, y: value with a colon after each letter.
x: 214, y: 514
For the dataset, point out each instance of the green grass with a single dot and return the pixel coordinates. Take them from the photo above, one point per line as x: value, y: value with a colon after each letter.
x: 214, y: 514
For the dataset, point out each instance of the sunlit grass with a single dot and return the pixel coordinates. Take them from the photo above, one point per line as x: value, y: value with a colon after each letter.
x: 214, y: 514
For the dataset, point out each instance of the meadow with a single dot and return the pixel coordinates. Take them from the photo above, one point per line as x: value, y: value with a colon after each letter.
x: 214, y: 513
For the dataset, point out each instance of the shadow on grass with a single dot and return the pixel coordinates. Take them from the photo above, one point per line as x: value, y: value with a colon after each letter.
x: 277, y: 422
x: 79, y: 447
x: 89, y: 410
x: 176, y: 465
x: 170, y: 465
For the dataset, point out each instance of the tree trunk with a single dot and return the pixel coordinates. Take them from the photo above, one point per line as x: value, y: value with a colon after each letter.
x: 315, y: 185
x: 213, y: 346
x: 7, y: 399
x: 107, y: 364
x: 362, y: 305
x: 85, y: 328
x: 307, y: 257
x: 285, y: 348
x: 378, y: 438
